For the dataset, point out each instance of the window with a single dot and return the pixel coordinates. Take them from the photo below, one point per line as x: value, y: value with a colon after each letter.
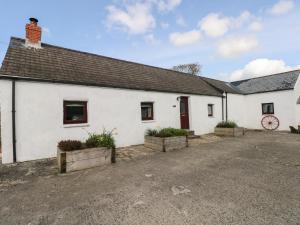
x: 267, y: 108
x: 210, y: 108
x: 75, y: 112
x: 147, y: 110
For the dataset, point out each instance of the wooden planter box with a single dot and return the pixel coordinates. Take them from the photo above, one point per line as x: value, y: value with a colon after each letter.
x: 167, y: 143
x: 82, y: 159
x: 230, y: 132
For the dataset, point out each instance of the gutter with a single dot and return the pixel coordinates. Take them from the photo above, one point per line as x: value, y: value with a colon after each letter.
x: 226, y: 106
x: 13, y: 113
x: 222, y: 108
x: 8, y: 77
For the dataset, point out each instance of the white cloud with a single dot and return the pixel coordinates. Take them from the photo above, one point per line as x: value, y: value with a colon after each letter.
x: 185, y: 38
x: 236, y: 46
x: 164, y: 25
x: 241, y: 19
x: 261, y: 67
x: 150, y: 39
x: 282, y: 7
x: 137, y: 15
x: 214, y: 25
x: 167, y: 5
x: 256, y: 26
x: 181, y: 21
x: 135, y: 19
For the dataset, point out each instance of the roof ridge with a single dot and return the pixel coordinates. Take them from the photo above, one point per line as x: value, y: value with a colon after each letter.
x: 146, y: 77
x: 107, y: 57
x: 274, y: 74
x: 214, y: 79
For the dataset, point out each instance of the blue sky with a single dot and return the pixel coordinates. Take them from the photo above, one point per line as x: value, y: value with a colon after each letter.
x: 232, y: 39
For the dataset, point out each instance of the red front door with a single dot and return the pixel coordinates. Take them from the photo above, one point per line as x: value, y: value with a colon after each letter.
x: 184, y: 113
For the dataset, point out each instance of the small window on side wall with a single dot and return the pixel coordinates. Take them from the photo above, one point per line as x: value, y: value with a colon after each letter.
x: 147, y: 110
x: 75, y: 112
x: 267, y: 108
x: 210, y: 108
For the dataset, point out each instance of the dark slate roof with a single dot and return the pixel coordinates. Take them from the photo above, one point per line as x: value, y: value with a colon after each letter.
x: 222, y: 86
x: 56, y: 64
x: 275, y: 82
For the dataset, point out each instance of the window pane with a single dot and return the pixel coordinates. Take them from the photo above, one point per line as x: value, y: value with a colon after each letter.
x: 210, y: 110
x: 147, y: 111
x: 268, y: 108
x: 144, y: 113
x: 75, y: 112
x: 182, y: 107
x: 265, y: 110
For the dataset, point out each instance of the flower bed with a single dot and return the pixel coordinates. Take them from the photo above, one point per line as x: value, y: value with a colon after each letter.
x: 166, y: 139
x: 82, y: 159
x: 97, y: 150
x: 229, y: 128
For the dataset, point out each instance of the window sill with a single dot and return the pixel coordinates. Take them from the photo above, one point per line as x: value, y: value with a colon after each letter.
x: 148, y: 121
x: 76, y: 125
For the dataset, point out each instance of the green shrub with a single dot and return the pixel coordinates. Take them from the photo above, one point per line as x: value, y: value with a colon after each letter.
x: 171, y: 132
x: 227, y: 124
x: 151, y: 132
x: 105, y: 139
x: 92, y: 141
x: 166, y: 132
x: 69, y: 145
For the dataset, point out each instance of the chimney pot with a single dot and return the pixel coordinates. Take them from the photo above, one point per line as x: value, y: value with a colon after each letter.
x: 33, y: 33
x: 31, y: 19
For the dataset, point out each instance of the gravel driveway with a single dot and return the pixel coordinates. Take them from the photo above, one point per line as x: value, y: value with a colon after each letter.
x: 250, y: 180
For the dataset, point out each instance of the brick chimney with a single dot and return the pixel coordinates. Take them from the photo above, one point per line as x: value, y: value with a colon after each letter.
x: 33, y: 34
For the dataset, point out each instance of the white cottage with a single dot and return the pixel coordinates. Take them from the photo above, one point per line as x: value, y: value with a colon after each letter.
x: 276, y: 96
x: 50, y: 93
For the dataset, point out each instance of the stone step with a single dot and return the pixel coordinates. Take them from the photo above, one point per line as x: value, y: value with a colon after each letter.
x: 194, y: 136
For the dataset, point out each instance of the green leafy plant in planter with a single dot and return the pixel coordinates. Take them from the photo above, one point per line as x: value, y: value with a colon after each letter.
x: 227, y: 124
x: 166, y: 132
x: 105, y: 139
x: 151, y: 132
x: 70, y: 145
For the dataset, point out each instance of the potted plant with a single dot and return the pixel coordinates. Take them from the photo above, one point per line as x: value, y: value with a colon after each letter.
x: 166, y: 139
x: 229, y: 128
x: 97, y: 150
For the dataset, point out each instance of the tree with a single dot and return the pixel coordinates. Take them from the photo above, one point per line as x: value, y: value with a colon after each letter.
x: 192, y: 68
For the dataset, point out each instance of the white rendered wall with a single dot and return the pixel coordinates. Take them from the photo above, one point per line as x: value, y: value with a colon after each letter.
x: 236, y: 109
x: 200, y: 122
x: 39, y: 115
x: 6, y: 120
x: 284, y: 108
x: 246, y: 110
